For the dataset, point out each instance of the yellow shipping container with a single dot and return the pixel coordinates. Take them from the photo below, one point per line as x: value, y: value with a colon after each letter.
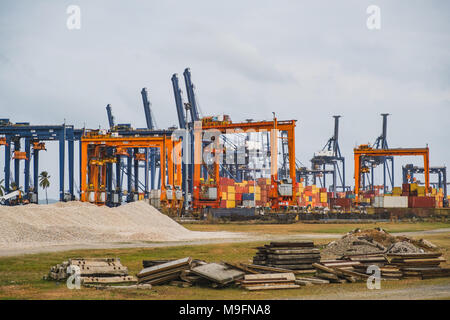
x: 231, y: 196
x: 251, y: 189
x: 257, y: 189
x: 231, y: 189
x: 413, y: 187
x: 397, y: 191
x: 231, y: 204
x: 258, y: 197
x: 421, y: 190
x: 268, y: 181
x: 224, y: 196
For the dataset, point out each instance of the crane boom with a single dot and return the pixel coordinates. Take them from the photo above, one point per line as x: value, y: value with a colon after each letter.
x: 191, y: 95
x: 148, y: 114
x: 110, y: 116
x: 178, y: 101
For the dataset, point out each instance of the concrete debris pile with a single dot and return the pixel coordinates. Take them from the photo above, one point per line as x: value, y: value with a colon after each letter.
x: 291, y: 255
x: 369, y: 242
x: 97, y: 272
x: 396, y: 257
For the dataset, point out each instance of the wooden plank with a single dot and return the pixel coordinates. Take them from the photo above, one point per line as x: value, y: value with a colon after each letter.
x: 165, y: 266
x: 293, y: 251
x: 162, y: 274
x: 266, y: 268
x: 431, y: 261
x: 353, y: 273
x: 80, y: 261
x: 297, y: 243
x: 151, y: 263
x: 340, y: 264
x: 422, y: 269
x: 264, y: 276
x: 294, y: 256
x: 292, y: 267
x: 328, y: 276
x: 304, y: 283
x: 130, y: 287
x: 264, y: 282
x: 160, y: 280
x: 241, y: 267
x: 272, y: 287
x: 415, y: 255
x: 313, y: 280
x: 87, y: 280
x: 324, y: 269
x: 368, y: 259
x: 218, y: 273
x: 86, y: 270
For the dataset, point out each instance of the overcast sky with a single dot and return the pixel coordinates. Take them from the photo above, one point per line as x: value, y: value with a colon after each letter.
x: 305, y: 60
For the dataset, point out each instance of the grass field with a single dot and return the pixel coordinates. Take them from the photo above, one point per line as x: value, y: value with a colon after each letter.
x: 21, y: 276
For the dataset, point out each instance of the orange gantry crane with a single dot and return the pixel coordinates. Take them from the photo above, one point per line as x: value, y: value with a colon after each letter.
x: 280, y: 197
x: 95, y: 156
x: 366, y: 150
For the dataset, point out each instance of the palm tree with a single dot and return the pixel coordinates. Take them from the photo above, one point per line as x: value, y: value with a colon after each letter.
x: 2, y: 188
x: 14, y: 186
x: 44, y: 182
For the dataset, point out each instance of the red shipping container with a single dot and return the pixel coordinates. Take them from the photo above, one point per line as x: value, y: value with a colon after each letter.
x: 238, y: 196
x: 421, y: 202
x: 342, y: 202
x: 406, y: 187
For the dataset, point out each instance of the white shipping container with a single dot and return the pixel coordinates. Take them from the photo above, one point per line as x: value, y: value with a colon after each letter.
x: 378, y: 202
x: 395, y: 202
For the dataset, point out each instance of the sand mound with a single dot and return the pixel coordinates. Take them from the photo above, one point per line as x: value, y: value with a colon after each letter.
x: 79, y: 222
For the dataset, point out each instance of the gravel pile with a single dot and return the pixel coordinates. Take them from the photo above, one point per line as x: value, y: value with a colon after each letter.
x: 404, y: 247
x: 80, y: 222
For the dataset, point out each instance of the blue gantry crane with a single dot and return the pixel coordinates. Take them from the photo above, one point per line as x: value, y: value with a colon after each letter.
x: 330, y: 155
x: 409, y: 170
x: 370, y: 163
x: 33, y: 137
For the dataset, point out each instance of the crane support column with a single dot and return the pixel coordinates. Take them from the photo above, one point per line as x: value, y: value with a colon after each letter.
x: 27, y: 167
x: 36, y: 173
x: 71, y: 167
x: 129, y: 173
x: 17, y: 164
x: 62, y: 149
x: 146, y: 173
x: 7, y: 163
x: 136, y: 172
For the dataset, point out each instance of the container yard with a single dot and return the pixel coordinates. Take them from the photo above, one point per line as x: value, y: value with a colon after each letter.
x: 224, y: 159
x: 211, y: 166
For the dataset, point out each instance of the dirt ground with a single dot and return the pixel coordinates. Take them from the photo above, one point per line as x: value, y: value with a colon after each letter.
x: 247, y: 233
x: 21, y: 276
